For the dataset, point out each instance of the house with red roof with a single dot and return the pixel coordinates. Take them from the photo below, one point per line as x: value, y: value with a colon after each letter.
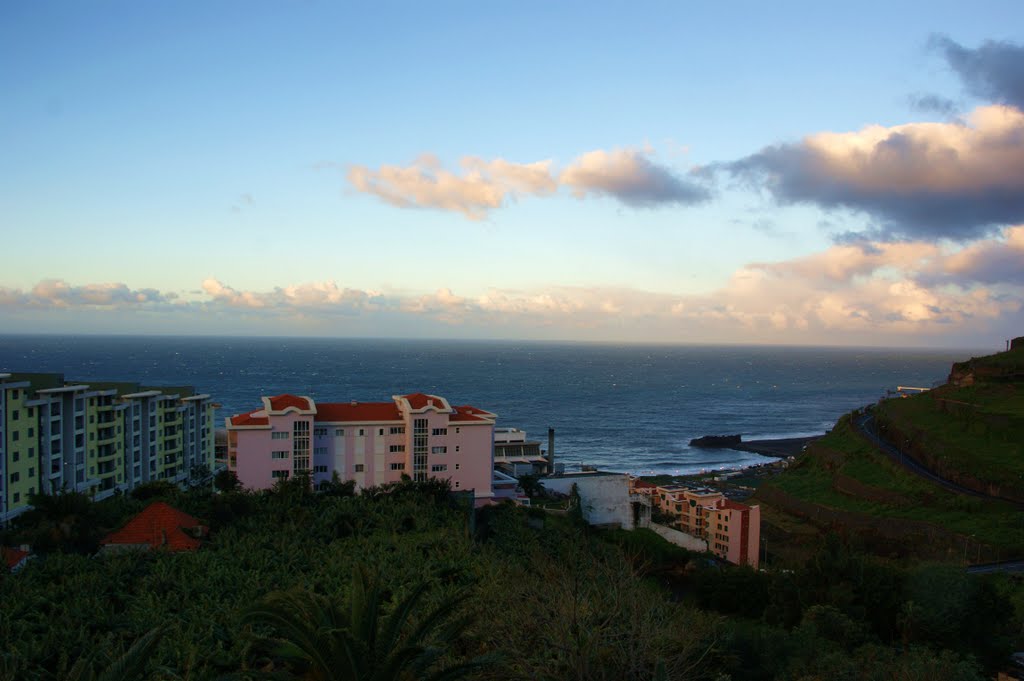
x: 14, y: 558
x: 372, y: 443
x: 158, y: 526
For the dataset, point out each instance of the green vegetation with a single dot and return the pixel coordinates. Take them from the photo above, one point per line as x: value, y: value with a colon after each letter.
x: 843, y: 472
x: 394, y: 584
x: 970, y: 434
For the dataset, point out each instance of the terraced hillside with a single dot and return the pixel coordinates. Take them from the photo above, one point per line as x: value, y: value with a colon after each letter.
x: 970, y: 431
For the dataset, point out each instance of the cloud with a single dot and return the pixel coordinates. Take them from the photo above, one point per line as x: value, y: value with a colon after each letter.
x: 627, y: 175
x: 425, y: 184
x: 932, y: 103
x: 57, y: 293
x: 994, y: 72
x: 989, y: 262
x: 958, y: 180
x: 631, y: 177
x: 317, y: 296
x: 870, y: 292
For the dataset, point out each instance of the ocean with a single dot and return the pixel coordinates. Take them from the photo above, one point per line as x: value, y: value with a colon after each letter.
x: 627, y: 408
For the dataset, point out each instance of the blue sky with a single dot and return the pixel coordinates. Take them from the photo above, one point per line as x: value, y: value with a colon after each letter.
x: 592, y: 171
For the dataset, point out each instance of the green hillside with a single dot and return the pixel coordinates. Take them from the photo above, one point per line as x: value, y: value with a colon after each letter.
x: 970, y: 431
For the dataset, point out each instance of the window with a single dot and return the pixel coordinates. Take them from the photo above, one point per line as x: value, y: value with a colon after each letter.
x: 279, y: 474
x: 300, y: 447
x: 397, y: 430
x: 456, y: 449
x: 439, y: 468
x: 14, y: 414
x: 279, y: 435
x: 17, y: 497
x: 380, y: 431
x: 31, y: 412
x: 15, y: 477
x: 320, y: 432
x: 31, y: 432
x: 458, y: 484
x: 279, y: 455
x: 438, y: 450
x: 361, y: 432
x: 358, y: 468
x: 419, y: 450
x: 15, y: 455
x: 320, y: 469
x: 458, y: 430
x: 398, y: 466
x: 15, y: 435
x: 439, y: 431
x: 458, y: 466
x: 31, y: 472
x: 338, y: 432
x: 396, y: 449
x: 320, y: 451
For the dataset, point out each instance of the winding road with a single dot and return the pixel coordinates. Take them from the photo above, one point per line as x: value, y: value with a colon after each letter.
x: 865, y: 424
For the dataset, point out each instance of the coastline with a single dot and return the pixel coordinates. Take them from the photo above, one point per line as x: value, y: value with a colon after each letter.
x: 773, y: 448
x: 779, y: 448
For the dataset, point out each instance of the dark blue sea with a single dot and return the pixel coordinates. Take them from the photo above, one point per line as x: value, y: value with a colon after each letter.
x: 621, y: 407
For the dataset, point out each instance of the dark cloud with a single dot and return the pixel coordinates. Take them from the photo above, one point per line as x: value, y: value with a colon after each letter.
x: 958, y: 180
x: 633, y: 178
x: 994, y: 72
x: 933, y: 104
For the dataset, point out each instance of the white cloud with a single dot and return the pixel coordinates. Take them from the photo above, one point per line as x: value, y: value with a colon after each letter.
x: 628, y: 175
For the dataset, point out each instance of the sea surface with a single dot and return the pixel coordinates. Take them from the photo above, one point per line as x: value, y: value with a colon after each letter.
x: 620, y: 407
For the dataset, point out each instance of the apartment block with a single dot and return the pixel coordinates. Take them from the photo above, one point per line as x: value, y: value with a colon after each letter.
x: 731, y: 529
x: 97, y: 437
x: 372, y: 443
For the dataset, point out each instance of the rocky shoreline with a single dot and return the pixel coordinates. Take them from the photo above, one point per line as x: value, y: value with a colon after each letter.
x: 780, y: 447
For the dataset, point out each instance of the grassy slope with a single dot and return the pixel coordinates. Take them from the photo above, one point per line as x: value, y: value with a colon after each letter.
x: 976, y: 430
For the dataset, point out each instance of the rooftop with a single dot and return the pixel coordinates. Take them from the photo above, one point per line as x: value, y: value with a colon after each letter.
x: 157, y: 525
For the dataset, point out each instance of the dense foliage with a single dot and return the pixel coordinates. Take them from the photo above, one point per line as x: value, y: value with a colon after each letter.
x: 407, y: 578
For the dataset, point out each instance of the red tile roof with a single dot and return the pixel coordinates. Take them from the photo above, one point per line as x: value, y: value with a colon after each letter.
x: 357, y: 411
x: 282, y: 402
x: 420, y: 400
x: 734, y: 505
x: 12, y: 557
x: 157, y: 525
x: 643, y: 484
x: 248, y: 419
x: 468, y: 413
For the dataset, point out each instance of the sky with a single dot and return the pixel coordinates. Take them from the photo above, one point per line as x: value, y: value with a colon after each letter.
x: 741, y: 172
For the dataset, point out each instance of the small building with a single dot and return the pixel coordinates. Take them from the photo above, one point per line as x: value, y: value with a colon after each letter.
x: 158, y: 526
x: 515, y: 455
x: 606, y: 498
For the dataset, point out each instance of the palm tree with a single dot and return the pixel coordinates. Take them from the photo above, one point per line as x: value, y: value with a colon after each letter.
x: 128, y: 666
x: 328, y: 641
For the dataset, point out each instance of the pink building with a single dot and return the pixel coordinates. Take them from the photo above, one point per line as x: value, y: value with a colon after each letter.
x: 732, y: 530
x: 370, y: 442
